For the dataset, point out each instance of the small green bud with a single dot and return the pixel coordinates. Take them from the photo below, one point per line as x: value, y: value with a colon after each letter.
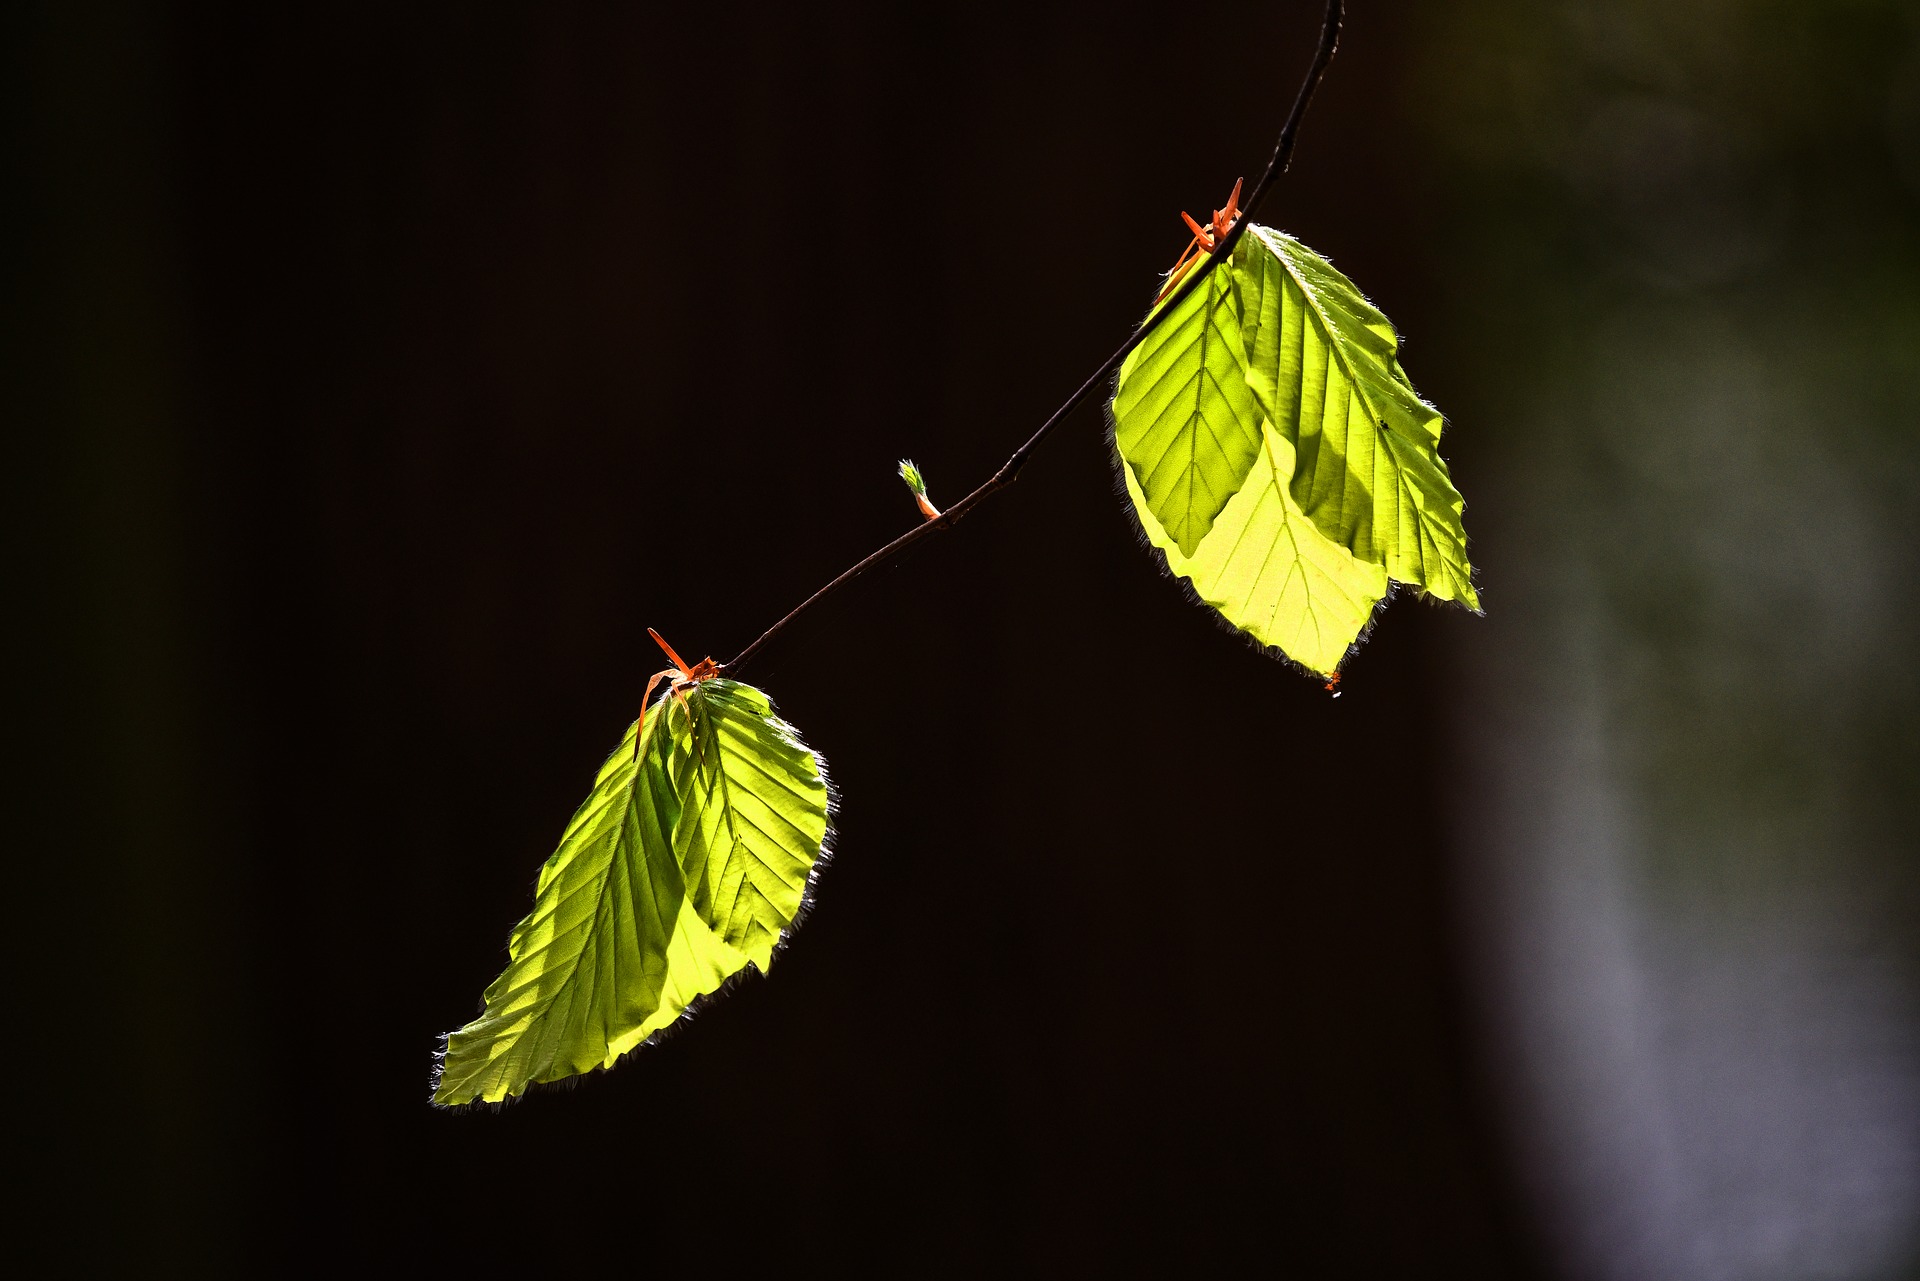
x: 911, y: 474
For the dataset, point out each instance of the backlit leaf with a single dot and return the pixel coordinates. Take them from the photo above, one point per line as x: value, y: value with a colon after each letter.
x: 680, y: 870
x: 1270, y: 572
x: 1324, y: 365
x: 1290, y: 499
x: 1184, y: 417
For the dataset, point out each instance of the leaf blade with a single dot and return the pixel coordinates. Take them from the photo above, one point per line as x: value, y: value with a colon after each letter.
x: 1185, y: 419
x: 626, y: 932
x: 1324, y: 366
x: 1270, y: 572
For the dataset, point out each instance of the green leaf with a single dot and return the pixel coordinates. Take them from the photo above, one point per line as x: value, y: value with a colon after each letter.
x: 1184, y: 417
x: 1288, y: 496
x: 682, y: 868
x: 1269, y: 571
x: 1324, y: 366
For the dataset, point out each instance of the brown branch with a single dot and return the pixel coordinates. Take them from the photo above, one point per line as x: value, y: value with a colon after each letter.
x: 1009, y: 470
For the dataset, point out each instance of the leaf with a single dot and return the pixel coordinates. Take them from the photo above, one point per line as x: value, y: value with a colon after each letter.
x: 1185, y: 418
x: 681, y: 869
x: 1269, y: 571
x: 1290, y: 500
x: 1324, y: 366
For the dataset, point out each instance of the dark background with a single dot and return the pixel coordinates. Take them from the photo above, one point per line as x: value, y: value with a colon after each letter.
x: 383, y: 373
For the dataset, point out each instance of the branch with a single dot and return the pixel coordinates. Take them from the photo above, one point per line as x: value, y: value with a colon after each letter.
x: 1009, y: 470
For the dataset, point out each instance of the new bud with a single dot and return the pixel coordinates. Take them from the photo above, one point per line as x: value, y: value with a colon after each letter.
x: 911, y: 474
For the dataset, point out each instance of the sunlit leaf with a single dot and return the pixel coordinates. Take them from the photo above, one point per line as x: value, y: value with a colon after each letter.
x: 680, y: 870
x: 1184, y: 417
x: 1269, y: 572
x: 1324, y: 366
x: 1289, y: 496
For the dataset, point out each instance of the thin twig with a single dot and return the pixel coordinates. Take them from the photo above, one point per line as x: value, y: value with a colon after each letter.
x: 1009, y: 470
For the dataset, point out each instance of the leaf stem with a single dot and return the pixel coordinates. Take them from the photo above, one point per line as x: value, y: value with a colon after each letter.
x: 1010, y: 470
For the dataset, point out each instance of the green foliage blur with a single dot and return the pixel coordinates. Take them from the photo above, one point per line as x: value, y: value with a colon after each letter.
x: 1681, y: 253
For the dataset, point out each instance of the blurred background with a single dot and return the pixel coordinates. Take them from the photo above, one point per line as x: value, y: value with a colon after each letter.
x: 375, y: 376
